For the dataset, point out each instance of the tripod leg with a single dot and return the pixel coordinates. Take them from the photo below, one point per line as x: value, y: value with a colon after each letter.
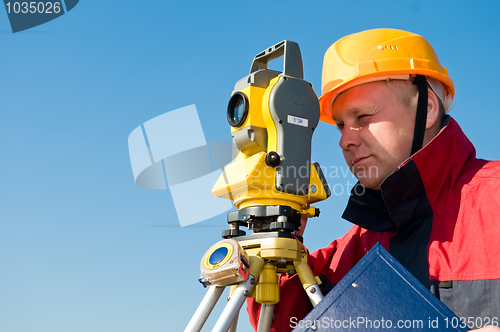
x: 314, y: 293
x: 234, y: 305
x: 204, y: 309
x: 308, y: 281
x: 234, y: 326
x: 266, y: 317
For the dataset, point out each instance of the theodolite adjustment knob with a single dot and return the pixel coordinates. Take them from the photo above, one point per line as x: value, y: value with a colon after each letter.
x: 230, y: 233
x: 272, y: 159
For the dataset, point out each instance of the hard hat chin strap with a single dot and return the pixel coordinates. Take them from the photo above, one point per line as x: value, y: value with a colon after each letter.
x: 421, y: 116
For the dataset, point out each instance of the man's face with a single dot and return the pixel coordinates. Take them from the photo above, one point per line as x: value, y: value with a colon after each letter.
x: 377, y: 131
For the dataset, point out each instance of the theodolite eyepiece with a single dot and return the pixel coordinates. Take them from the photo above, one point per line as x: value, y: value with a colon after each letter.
x: 237, y: 109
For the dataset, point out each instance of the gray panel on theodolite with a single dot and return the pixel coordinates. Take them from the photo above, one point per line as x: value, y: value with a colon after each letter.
x: 295, y: 111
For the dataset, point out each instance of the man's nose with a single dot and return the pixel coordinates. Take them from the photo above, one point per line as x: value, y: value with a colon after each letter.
x: 349, y: 138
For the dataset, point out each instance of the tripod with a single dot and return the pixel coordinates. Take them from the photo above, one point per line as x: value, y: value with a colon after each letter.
x: 270, y: 250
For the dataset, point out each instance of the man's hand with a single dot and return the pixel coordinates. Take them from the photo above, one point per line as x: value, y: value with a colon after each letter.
x: 303, y: 223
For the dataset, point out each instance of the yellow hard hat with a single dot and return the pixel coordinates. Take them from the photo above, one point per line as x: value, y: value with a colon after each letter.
x: 373, y: 55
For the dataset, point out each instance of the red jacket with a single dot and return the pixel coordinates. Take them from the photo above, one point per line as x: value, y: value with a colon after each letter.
x: 438, y: 214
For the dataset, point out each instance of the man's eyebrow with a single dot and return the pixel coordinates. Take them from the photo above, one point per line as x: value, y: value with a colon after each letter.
x: 352, y: 112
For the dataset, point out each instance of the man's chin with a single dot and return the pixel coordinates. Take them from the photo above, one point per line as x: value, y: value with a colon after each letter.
x: 370, y: 183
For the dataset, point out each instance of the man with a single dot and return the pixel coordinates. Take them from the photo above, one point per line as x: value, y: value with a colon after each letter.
x: 421, y: 192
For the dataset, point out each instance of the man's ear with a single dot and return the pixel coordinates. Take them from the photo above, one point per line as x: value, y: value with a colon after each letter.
x: 432, y: 110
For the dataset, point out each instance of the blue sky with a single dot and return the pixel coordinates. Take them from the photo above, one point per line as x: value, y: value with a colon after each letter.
x: 82, y: 248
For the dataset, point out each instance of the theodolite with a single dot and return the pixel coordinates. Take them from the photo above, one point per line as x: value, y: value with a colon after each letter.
x: 272, y: 183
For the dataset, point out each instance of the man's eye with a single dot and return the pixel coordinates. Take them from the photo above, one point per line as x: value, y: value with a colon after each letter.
x: 340, y: 126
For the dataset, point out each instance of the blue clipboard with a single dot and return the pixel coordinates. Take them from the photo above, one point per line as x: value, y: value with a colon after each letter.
x: 379, y: 294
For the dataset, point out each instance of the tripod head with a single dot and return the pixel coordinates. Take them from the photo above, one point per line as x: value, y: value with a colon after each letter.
x: 273, y: 116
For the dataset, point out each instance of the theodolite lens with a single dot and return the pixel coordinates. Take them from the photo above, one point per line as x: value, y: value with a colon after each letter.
x: 237, y: 109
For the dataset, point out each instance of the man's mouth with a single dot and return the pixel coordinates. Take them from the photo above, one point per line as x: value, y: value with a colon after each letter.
x: 357, y: 160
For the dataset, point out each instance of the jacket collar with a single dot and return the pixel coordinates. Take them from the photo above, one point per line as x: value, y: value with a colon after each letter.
x: 428, y: 174
x: 441, y: 162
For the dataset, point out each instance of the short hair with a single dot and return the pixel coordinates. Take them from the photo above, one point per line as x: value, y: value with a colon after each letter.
x: 405, y: 91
